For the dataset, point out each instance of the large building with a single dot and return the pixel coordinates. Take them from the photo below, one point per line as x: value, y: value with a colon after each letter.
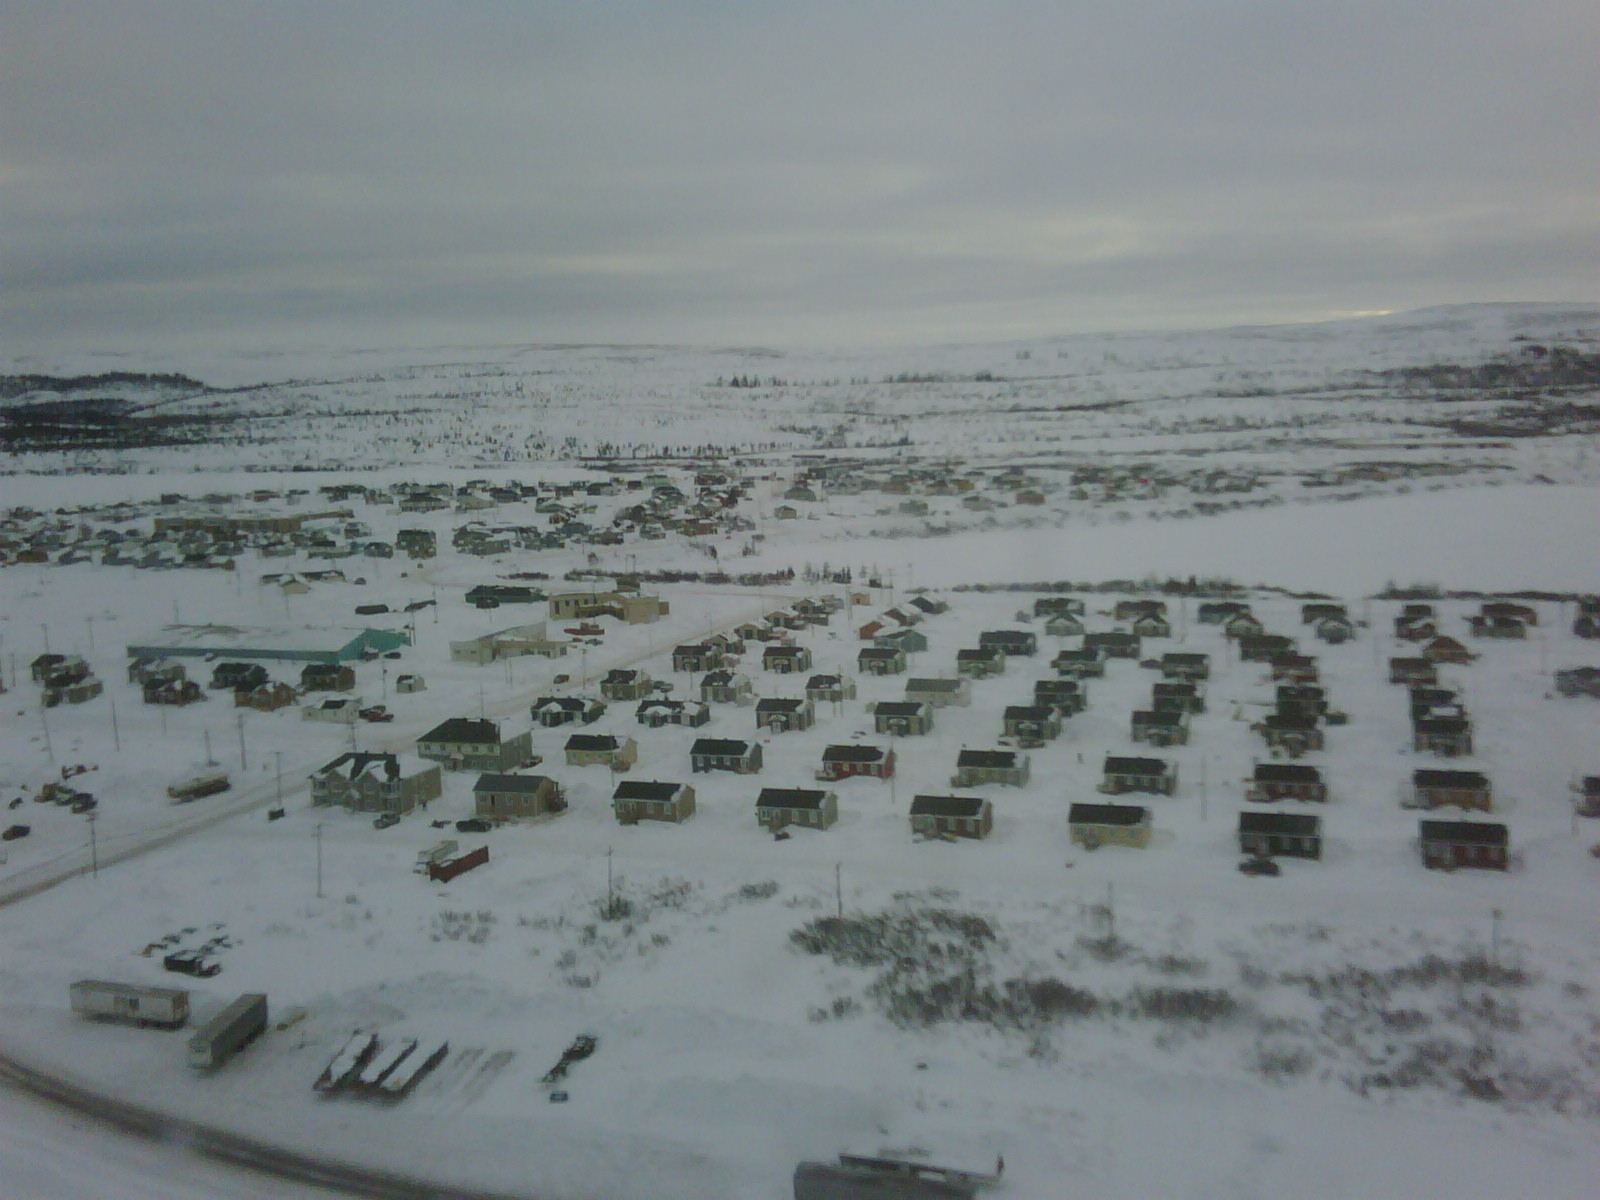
x: 325, y: 645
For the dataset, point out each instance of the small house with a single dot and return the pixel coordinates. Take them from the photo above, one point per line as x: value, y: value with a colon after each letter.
x: 847, y: 761
x: 930, y: 606
x: 1112, y: 644
x: 786, y: 660
x: 1271, y: 834
x: 701, y: 656
x: 778, y: 808
x: 726, y: 687
x: 326, y: 677
x: 1286, y: 781
x: 1452, y: 789
x: 341, y: 711
x: 1067, y: 696
x: 1506, y: 610
x: 785, y: 716
x: 1294, y: 668
x: 952, y: 817
x: 601, y: 750
x: 1178, y: 697
x: 1094, y: 825
x: 830, y: 689
x: 509, y: 797
x: 269, y: 697
x: 939, y: 693
x: 407, y: 685
x: 910, y: 641
x: 725, y: 754
x: 241, y: 676
x: 1086, y: 662
x: 1301, y: 700
x: 1453, y: 845
x: 551, y: 712
x: 624, y: 684
x: 975, y: 768
x: 1293, y: 735
x: 1413, y: 672
x: 1220, y: 612
x: 1151, y: 625
x: 638, y: 800
x: 1152, y: 775
x: 1163, y: 728
x: 1578, y: 681
x: 1046, y: 606
x: 908, y: 718
x: 1031, y: 724
x: 1447, y: 737
x: 179, y: 693
x: 1322, y: 610
x: 1491, y: 626
x: 981, y: 663
x: 1335, y: 630
x: 881, y: 661
x: 657, y: 712
x: 1064, y: 625
x: 1242, y: 625
x: 1180, y: 665
x: 1264, y: 647
x: 1447, y: 650
x: 1015, y: 642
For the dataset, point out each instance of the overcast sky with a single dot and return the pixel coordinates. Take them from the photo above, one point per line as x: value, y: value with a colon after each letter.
x: 815, y: 173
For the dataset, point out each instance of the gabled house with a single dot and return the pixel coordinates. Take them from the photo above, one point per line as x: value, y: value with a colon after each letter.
x: 1264, y: 647
x: 725, y: 754
x: 930, y: 606
x: 1220, y: 612
x: 1067, y: 696
x: 1321, y: 610
x: 1447, y: 650
x: 1286, y: 781
x: 1111, y: 644
x: 1490, y: 626
x: 243, y: 676
x: 1151, y: 625
x: 1335, y: 630
x: 623, y: 684
x: 551, y: 712
x: 1413, y: 672
x: 1064, y: 625
x: 638, y: 800
x: 500, y: 797
x: 778, y: 808
x: 1452, y: 789
x: 909, y: 641
x: 785, y: 716
x: 881, y: 661
x: 975, y: 768
x: 465, y: 743
x: 1046, y: 606
x: 1165, y: 728
x: 269, y: 697
x: 1094, y: 825
x: 1301, y: 700
x: 1014, y: 642
x: 1153, y: 775
x: 1130, y: 610
x: 654, y: 713
x: 1271, y: 834
x: 180, y: 693
x: 1294, y: 668
x: 939, y: 693
x: 1505, y: 610
x: 726, y: 687
x: 381, y: 783
x: 1178, y: 697
x: 1240, y: 625
x: 1031, y: 724
x: 786, y: 660
x: 951, y: 817
x: 982, y: 663
x: 342, y: 711
x: 702, y: 656
x: 906, y: 718
x: 1452, y: 845
x: 846, y: 761
x: 601, y: 750
x: 326, y: 677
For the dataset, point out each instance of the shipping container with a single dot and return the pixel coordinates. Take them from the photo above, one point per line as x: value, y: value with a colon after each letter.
x: 444, y: 872
x: 199, y: 783
x: 230, y: 1031
x: 100, y: 1000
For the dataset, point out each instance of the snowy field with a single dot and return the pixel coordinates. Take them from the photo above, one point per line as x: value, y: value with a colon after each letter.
x: 1123, y: 1023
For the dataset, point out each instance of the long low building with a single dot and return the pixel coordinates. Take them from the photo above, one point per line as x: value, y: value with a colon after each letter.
x: 315, y: 645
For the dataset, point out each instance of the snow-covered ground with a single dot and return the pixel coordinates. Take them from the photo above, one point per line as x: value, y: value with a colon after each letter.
x: 1351, y: 1008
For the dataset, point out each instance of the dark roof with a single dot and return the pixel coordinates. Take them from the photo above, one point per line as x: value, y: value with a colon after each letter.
x: 620, y: 675
x: 774, y: 705
x: 1474, y: 780
x: 1288, y: 824
x: 935, y: 685
x: 948, y: 806
x: 564, y: 703
x: 1006, y: 635
x: 592, y: 741
x: 790, y: 798
x: 1056, y: 687
x: 1286, y: 773
x: 1441, y: 725
x: 899, y: 708
x: 852, y: 753
x: 1176, y: 689
x: 468, y: 730
x: 996, y: 759
x: 1028, y: 712
x: 1168, y: 719
x: 718, y: 679
x: 1107, y: 814
x: 1291, y: 722
x: 817, y: 682
x: 645, y: 789
x: 1116, y: 765
x: 1183, y: 658
x: 782, y: 651
x: 720, y: 747
x: 356, y: 762
x: 1476, y: 833
x: 526, y: 784
x: 880, y: 652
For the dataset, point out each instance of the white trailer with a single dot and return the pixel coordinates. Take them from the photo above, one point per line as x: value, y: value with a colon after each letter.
x: 100, y: 1000
x: 207, y: 781
x: 437, y: 854
x: 230, y: 1031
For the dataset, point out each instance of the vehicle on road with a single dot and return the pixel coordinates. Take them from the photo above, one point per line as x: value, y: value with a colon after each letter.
x: 13, y: 832
x: 384, y: 820
x: 473, y: 825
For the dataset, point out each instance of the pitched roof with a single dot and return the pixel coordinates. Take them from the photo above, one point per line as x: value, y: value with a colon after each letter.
x: 1107, y: 814
x: 645, y: 789
x: 356, y: 763
x: 1476, y: 833
x: 467, y: 730
x: 527, y: 785
x: 1286, y: 773
x: 790, y: 798
x: 1001, y: 760
x: 853, y: 753
x: 720, y: 747
x: 948, y: 806
x: 1474, y: 780
x: 1287, y: 824
x: 592, y: 741
x: 1117, y: 765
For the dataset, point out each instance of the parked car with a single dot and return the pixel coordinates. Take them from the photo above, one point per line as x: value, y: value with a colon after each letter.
x: 563, y: 679
x: 191, y: 962
x: 473, y: 825
x: 13, y: 832
x: 384, y: 820
x: 1260, y: 866
x: 376, y: 712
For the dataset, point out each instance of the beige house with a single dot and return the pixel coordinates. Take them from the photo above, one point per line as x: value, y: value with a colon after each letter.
x: 363, y: 782
x: 1096, y: 825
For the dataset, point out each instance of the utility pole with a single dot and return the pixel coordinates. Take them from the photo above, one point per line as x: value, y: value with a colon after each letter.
x: 243, y: 765
x: 319, y: 859
x: 94, y: 852
x: 1494, y: 936
x: 116, y: 736
x: 611, y: 897
x: 838, y: 887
